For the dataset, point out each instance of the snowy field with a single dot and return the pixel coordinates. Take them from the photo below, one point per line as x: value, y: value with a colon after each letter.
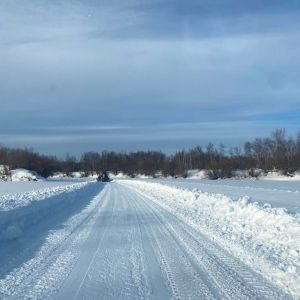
x: 278, y: 193
x: 150, y: 239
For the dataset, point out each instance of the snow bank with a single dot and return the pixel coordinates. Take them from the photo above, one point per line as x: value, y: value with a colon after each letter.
x: 266, y: 238
x: 19, y: 210
x: 58, y: 175
x: 77, y: 174
x: 278, y: 175
x: 241, y: 174
x: 210, y: 174
x: 119, y: 175
x: 24, y: 175
x: 13, y: 201
x: 198, y: 174
x: 142, y: 176
x: 296, y: 176
x: 62, y: 175
x: 218, y: 174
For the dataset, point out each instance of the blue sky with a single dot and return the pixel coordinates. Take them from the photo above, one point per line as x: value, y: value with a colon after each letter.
x: 131, y: 75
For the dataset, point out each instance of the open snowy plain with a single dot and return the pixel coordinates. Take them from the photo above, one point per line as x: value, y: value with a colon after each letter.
x: 150, y: 239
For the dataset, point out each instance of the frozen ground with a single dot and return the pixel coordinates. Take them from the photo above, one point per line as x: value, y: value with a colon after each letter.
x: 133, y: 239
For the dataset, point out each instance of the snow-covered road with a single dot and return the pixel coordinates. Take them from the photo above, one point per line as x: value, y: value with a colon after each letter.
x: 116, y: 242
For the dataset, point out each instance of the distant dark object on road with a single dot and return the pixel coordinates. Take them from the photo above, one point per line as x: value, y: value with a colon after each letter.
x: 103, y: 177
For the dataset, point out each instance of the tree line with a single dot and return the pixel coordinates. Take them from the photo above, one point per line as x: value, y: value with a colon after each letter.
x: 277, y: 152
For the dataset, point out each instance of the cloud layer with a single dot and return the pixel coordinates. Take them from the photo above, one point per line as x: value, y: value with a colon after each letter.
x: 146, y: 64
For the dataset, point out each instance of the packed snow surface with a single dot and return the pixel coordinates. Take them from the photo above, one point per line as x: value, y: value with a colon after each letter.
x: 135, y: 239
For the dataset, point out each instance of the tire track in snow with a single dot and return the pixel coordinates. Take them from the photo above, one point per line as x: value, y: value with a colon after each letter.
x: 182, y: 274
x: 137, y: 252
x: 117, y: 263
x: 230, y: 275
x: 151, y: 269
x: 93, y: 257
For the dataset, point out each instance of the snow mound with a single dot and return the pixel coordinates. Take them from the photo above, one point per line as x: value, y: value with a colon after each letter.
x: 197, y: 174
x: 77, y: 174
x: 58, y: 175
x: 266, y: 238
x: 122, y: 175
x: 278, y: 175
x: 143, y: 176
x: 13, y: 201
x: 24, y: 175
x: 119, y: 175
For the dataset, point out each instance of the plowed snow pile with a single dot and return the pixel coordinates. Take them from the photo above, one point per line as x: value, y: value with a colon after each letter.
x: 20, y: 211
x: 266, y: 238
x: 13, y: 201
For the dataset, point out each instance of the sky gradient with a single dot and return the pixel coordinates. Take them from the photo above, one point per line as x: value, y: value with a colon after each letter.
x: 135, y: 75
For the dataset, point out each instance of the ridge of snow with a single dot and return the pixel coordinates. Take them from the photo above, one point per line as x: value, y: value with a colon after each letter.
x: 19, y: 210
x: 13, y: 201
x: 24, y: 175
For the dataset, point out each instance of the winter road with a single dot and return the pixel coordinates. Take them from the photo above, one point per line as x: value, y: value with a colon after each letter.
x: 122, y: 245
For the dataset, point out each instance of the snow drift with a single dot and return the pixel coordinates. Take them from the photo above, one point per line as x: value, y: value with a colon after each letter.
x: 24, y: 175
